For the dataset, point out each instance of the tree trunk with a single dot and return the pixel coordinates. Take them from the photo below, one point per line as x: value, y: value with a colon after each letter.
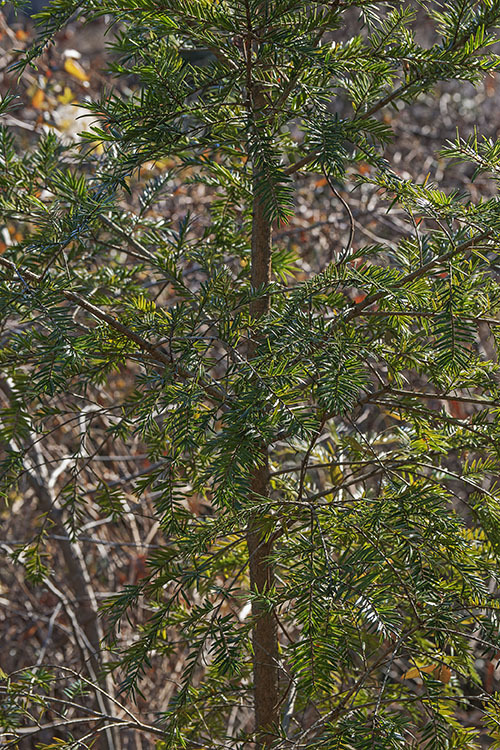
x: 265, y: 633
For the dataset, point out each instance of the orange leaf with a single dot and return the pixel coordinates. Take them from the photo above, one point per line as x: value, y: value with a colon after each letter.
x: 37, y: 98
x: 75, y: 69
x: 457, y: 409
x: 29, y: 633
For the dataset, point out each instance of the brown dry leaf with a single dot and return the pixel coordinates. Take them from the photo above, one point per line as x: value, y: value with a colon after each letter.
x: 490, y: 84
x: 38, y: 98
x: 75, y: 69
x: 444, y: 674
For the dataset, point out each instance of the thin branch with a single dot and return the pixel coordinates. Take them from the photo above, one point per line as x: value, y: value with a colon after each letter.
x: 422, y: 271
x: 443, y: 397
x: 213, y: 390
x: 345, y: 251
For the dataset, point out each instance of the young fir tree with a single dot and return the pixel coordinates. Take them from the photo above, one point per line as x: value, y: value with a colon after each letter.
x: 369, y: 553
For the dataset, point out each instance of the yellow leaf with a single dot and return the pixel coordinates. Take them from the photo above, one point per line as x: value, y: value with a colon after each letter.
x: 336, y: 474
x: 416, y: 671
x: 67, y: 96
x: 37, y: 98
x: 75, y: 69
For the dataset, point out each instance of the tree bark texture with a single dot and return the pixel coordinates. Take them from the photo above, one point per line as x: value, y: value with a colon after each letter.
x: 265, y: 633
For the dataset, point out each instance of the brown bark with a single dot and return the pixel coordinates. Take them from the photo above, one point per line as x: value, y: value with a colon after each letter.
x: 261, y: 258
x: 265, y: 634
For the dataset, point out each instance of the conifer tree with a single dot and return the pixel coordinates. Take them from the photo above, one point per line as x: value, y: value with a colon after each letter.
x: 309, y: 415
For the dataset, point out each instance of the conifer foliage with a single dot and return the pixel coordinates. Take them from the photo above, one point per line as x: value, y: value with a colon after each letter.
x: 310, y: 415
